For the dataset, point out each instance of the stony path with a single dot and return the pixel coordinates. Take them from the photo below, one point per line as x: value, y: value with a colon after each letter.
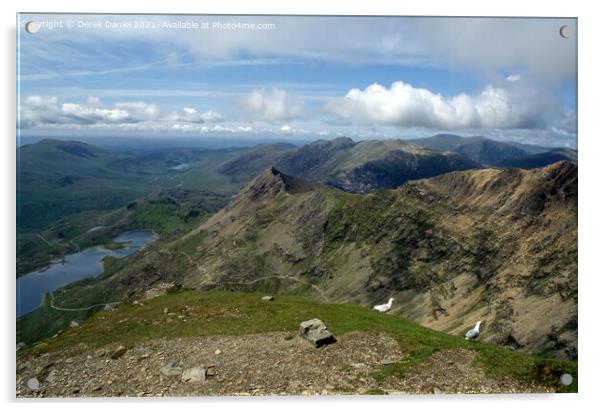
x: 276, y: 363
x: 78, y: 309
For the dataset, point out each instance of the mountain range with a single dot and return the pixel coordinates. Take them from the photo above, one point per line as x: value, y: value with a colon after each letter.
x: 365, y: 166
x: 357, y: 167
x: 492, y: 153
x: 358, y: 223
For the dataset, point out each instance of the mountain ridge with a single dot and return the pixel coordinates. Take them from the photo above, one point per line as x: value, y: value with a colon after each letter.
x: 357, y: 167
x: 494, y: 153
x: 509, y: 244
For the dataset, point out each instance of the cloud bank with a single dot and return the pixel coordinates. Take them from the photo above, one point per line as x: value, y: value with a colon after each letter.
x: 511, y: 105
x: 40, y: 111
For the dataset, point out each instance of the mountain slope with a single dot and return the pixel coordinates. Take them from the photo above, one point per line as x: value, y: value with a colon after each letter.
x: 496, y: 153
x: 542, y: 159
x: 57, y: 178
x: 495, y: 245
x: 374, y: 353
x: 357, y: 167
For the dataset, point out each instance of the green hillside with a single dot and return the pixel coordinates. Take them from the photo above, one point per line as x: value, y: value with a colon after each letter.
x: 233, y: 313
x: 57, y: 178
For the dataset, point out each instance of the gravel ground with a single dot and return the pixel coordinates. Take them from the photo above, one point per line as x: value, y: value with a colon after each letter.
x: 260, y: 364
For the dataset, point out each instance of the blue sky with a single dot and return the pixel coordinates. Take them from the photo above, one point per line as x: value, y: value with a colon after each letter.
x: 297, y: 77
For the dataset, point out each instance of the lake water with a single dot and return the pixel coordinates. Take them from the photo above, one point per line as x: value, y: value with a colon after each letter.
x: 31, y: 287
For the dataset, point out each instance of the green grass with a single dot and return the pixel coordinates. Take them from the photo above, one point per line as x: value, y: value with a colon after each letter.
x: 233, y: 313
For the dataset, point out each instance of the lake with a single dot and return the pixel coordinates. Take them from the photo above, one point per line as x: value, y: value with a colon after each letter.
x: 31, y: 287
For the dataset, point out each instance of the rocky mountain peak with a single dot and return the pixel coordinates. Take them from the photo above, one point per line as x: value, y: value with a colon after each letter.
x: 270, y: 184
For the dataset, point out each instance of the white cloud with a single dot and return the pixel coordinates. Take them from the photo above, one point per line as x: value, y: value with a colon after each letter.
x: 37, y: 110
x: 211, y: 117
x: 272, y: 105
x: 140, y: 110
x: 40, y: 111
x: 285, y: 128
x: 513, y: 105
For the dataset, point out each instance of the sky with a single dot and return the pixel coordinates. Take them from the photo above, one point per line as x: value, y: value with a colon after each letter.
x: 297, y: 77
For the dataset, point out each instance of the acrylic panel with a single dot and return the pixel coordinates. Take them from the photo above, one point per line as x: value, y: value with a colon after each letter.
x: 295, y: 205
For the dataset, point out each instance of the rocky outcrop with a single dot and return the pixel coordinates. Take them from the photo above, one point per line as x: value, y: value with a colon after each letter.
x: 315, y: 332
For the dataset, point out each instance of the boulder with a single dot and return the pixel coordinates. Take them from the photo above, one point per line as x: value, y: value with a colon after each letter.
x: 267, y: 298
x: 315, y: 332
x: 119, y: 351
x: 169, y: 370
x: 74, y: 324
x: 195, y: 374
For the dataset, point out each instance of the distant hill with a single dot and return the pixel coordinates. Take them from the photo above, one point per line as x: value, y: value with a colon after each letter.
x: 357, y: 167
x: 56, y: 178
x: 246, y: 165
x: 496, y: 153
x: 542, y: 159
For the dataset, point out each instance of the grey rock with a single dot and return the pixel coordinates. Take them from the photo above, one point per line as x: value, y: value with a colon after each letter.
x: 267, y: 298
x: 315, y: 332
x: 195, y: 374
x: 20, y: 346
x: 119, y: 351
x: 387, y: 361
x: 169, y: 370
x: 74, y: 324
x: 51, y: 377
x: 32, y: 384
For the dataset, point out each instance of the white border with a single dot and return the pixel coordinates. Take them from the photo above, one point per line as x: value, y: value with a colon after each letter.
x: 590, y: 150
